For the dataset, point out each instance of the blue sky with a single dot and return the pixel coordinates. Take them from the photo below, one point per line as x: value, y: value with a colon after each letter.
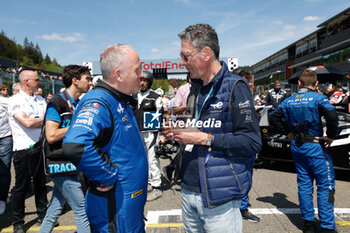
x: 76, y: 31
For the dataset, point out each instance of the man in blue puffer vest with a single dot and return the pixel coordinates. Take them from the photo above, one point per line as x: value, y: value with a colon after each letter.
x: 216, y: 166
x: 98, y: 144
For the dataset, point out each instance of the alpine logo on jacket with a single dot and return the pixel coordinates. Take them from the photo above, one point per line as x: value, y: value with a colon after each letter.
x: 217, y: 106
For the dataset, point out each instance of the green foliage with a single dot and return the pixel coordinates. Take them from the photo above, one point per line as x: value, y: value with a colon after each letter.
x: 165, y: 83
x: 28, y: 54
x: 162, y: 83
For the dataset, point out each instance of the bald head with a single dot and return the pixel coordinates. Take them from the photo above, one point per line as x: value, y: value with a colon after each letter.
x: 27, y: 74
x: 29, y: 81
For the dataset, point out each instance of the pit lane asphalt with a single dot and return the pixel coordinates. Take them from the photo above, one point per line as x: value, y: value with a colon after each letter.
x: 273, y: 198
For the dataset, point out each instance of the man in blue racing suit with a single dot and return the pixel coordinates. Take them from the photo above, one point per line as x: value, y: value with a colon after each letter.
x: 299, y: 117
x: 104, y: 143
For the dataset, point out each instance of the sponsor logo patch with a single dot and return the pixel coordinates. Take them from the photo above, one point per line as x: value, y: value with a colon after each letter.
x: 127, y: 127
x: 120, y: 109
x: 125, y: 118
x: 244, y: 104
x: 89, y: 109
x: 138, y: 193
x: 216, y: 106
x: 85, y: 121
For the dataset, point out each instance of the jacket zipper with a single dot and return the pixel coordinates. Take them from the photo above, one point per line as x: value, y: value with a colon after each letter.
x: 205, y: 182
x: 233, y: 170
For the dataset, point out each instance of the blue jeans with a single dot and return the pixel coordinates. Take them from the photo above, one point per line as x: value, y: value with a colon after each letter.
x: 225, y: 218
x: 66, y: 189
x: 5, y: 166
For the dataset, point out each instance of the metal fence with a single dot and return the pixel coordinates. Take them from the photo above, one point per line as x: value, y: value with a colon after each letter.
x: 48, y: 85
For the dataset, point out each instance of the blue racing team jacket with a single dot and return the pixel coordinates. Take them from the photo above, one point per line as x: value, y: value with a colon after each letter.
x: 225, y: 172
x: 104, y: 143
x: 301, y: 114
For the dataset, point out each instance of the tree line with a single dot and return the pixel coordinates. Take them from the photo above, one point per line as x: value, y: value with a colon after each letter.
x: 27, y: 54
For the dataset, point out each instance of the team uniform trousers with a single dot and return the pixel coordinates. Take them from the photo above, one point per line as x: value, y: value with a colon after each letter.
x: 245, y: 199
x: 320, y: 169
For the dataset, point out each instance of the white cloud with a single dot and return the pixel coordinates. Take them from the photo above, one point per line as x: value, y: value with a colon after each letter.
x: 278, y: 22
x: 311, y: 18
x: 65, y: 38
x: 289, y: 34
x: 155, y: 50
x: 289, y: 27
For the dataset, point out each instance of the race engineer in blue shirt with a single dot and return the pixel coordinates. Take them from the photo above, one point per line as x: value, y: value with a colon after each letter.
x: 104, y: 143
x: 299, y: 117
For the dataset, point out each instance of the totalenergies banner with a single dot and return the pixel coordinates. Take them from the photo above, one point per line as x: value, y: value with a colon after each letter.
x: 172, y: 66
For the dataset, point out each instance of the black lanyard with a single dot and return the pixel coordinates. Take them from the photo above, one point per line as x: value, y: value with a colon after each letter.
x: 70, y: 105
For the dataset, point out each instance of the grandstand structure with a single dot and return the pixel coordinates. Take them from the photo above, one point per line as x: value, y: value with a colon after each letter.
x: 329, y: 45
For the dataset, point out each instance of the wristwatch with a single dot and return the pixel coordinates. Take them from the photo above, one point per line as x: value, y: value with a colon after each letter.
x: 208, y: 142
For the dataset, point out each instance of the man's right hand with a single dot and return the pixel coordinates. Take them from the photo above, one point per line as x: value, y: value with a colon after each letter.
x: 328, y: 141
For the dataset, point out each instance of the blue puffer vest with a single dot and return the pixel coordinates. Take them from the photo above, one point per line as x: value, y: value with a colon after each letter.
x: 227, y: 174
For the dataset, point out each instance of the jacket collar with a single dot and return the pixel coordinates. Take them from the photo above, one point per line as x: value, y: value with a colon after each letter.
x: 121, y: 97
x: 305, y: 89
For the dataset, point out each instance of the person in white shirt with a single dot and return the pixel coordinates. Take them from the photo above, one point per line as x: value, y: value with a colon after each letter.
x: 5, y: 148
x: 26, y: 112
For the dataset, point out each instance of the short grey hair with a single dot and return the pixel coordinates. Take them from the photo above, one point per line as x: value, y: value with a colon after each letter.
x: 113, y: 57
x: 16, y: 86
x: 202, y: 35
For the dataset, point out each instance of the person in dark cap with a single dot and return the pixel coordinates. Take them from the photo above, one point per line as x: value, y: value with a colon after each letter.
x: 150, y: 105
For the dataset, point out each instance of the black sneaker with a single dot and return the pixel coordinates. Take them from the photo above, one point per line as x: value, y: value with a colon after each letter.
x: 309, y: 227
x: 168, y: 173
x: 324, y: 230
x: 247, y: 215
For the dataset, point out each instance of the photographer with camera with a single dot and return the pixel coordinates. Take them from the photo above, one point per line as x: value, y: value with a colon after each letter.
x: 148, y: 116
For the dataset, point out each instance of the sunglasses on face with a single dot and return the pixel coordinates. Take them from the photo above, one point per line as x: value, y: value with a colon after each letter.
x: 187, y: 57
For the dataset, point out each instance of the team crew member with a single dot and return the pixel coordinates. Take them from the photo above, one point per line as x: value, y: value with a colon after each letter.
x: 303, y: 112
x: 275, y: 95
x: 105, y: 143
x: 246, y: 214
x: 67, y: 188
x: 149, y: 105
x: 26, y: 112
x: 216, y: 166
x: 335, y: 96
